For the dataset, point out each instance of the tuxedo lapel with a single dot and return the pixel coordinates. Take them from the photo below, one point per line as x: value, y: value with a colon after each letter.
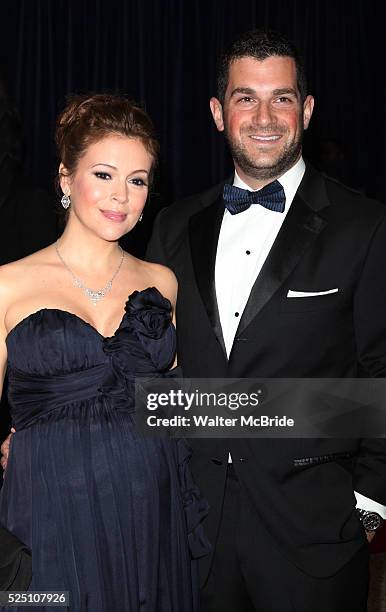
x: 300, y: 228
x: 204, y: 228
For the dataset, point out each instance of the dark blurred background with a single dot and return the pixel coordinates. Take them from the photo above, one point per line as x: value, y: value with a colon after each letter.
x: 163, y: 53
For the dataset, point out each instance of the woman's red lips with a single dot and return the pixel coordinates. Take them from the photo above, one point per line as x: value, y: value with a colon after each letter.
x: 113, y: 215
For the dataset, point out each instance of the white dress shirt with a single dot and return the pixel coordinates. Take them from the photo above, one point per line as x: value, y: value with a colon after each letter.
x: 245, y: 240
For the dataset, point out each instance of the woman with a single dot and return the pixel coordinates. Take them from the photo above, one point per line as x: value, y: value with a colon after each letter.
x: 101, y: 508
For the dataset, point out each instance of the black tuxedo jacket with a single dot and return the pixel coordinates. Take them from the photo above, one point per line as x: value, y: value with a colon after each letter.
x: 331, y: 238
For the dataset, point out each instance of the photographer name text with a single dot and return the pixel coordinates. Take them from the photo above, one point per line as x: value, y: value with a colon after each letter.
x: 219, y: 421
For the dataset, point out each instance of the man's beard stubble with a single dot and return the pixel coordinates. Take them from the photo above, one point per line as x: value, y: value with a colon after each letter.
x: 286, y: 159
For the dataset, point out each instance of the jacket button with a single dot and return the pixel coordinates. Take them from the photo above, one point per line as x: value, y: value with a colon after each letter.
x: 243, y: 459
x: 216, y: 461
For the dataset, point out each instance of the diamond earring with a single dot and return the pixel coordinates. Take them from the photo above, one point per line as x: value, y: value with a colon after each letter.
x: 65, y: 201
x: 140, y: 217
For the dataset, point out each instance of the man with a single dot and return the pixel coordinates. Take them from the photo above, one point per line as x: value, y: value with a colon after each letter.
x: 290, y: 286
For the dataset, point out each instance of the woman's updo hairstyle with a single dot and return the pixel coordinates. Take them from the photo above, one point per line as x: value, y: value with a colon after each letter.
x: 90, y: 118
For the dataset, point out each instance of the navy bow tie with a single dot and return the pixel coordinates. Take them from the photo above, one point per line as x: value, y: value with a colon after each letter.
x: 237, y: 200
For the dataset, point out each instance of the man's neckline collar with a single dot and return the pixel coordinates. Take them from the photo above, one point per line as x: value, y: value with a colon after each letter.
x: 290, y: 180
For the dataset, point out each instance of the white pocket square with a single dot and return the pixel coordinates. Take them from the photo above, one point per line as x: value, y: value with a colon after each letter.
x: 300, y: 294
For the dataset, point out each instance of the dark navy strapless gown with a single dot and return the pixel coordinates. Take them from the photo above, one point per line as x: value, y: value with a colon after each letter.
x: 109, y: 516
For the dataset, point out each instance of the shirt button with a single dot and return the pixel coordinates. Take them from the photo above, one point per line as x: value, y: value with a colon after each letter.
x: 237, y: 314
x: 248, y: 252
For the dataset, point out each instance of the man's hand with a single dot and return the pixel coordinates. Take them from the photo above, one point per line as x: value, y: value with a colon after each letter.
x: 5, y: 450
x: 369, y: 534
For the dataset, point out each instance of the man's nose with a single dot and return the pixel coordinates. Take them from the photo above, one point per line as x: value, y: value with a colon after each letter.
x: 263, y: 114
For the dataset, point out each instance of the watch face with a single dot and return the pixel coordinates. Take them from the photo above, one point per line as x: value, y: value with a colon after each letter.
x: 371, y: 521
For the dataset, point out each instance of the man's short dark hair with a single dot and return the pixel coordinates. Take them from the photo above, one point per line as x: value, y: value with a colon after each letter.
x: 259, y: 44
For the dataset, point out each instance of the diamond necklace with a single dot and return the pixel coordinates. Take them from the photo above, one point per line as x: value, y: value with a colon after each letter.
x: 94, y: 296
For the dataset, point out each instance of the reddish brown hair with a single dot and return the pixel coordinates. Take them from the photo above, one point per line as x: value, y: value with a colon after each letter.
x: 89, y: 118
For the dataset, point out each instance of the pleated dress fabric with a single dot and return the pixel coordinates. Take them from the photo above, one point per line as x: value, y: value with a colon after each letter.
x: 110, y: 516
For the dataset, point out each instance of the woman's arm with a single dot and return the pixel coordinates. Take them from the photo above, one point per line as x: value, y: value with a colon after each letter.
x: 3, y: 336
x: 3, y: 364
x: 168, y: 285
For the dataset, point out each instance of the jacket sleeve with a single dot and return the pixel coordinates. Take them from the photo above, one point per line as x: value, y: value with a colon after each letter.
x: 370, y: 329
x: 155, y: 251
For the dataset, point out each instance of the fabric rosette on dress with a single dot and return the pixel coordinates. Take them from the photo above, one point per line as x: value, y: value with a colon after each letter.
x: 144, y: 345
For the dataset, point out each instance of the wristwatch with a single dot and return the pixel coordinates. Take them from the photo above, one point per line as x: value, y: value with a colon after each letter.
x: 371, y: 521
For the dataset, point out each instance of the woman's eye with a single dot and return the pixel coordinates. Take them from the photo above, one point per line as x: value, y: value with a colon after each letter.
x: 105, y: 176
x: 139, y: 182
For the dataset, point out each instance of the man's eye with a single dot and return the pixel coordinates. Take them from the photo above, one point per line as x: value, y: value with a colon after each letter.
x: 246, y: 100
x: 105, y: 176
x: 283, y: 99
x: 139, y: 182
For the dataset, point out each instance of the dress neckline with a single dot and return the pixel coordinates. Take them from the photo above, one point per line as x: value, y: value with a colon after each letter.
x: 77, y: 317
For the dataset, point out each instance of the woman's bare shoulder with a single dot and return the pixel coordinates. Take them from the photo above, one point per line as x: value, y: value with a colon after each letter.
x: 160, y: 276
x: 21, y: 272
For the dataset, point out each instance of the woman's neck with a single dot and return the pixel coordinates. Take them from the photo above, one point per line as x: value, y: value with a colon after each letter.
x: 84, y: 250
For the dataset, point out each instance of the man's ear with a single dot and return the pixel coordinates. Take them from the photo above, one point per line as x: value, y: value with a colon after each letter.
x: 217, y: 113
x: 308, y: 107
x: 64, y: 180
